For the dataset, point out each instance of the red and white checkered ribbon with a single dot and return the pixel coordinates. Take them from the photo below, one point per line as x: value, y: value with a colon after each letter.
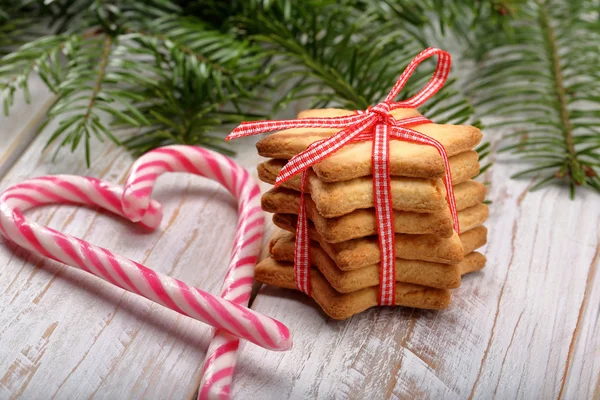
x: 374, y: 124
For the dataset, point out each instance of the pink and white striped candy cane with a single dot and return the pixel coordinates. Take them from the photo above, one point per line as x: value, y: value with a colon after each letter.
x: 220, y: 362
x: 127, y: 274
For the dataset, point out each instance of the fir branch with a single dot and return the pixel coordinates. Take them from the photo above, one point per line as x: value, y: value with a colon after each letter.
x: 211, y: 82
x: 181, y: 47
x: 101, y: 73
x: 180, y: 111
x: 559, y: 86
x: 19, y: 20
x: 545, y: 88
x: 139, y: 66
x: 76, y: 16
x: 467, y: 22
x: 94, y: 85
x: 13, y: 31
x: 347, y: 57
x: 39, y: 56
x: 94, y: 96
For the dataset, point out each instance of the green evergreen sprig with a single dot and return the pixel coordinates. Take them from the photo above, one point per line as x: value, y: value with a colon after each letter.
x: 166, y: 78
x: 166, y: 75
x: 211, y: 80
x: 146, y: 74
x: 352, y: 64
x: 545, y: 88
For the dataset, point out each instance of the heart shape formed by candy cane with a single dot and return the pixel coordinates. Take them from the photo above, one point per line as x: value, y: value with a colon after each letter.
x: 137, y: 204
x: 223, y: 314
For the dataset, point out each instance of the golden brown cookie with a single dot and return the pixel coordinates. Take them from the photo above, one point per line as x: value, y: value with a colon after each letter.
x: 359, y: 253
x: 441, y: 276
x: 408, y: 194
x: 353, y: 161
x: 361, y: 223
x: 337, y: 199
x: 342, y: 306
x: 463, y: 166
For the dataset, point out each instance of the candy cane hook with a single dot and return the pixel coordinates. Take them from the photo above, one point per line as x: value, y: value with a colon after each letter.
x: 220, y: 361
x: 127, y: 274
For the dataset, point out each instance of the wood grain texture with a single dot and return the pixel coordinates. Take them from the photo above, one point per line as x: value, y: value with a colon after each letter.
x: 525, y: 327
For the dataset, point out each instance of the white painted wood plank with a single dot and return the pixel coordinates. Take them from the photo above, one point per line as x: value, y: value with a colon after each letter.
x: 552, y: 250
x: 19, y: 128
x: 508, y: 332
x: 582, y: 371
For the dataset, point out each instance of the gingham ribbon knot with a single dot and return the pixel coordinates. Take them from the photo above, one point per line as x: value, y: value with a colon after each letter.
x: 382, y: 110
x: 375, y: 124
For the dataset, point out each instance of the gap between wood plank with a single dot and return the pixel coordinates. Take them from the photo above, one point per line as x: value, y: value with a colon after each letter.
x: 588, y: 288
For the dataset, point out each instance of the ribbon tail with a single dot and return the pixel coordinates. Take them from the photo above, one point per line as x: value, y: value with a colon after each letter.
x: 251, y: 128
x: 302, y: 246
x: 406, y: 122
x: 382, y: 195
x: 451, y: 199
x: 321, y: 149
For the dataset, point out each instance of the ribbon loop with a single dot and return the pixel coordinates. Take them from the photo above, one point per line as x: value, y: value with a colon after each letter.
x: 437, y: 81
x: 378, y: 125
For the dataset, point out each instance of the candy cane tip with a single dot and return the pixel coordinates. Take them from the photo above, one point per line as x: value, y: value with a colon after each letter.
x: 225, y: 392
x: 285, y: 341
x: 288, y: 345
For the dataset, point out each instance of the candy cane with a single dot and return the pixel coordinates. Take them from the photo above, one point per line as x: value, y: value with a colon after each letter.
x: 221, y: 357
x: 127, y: 274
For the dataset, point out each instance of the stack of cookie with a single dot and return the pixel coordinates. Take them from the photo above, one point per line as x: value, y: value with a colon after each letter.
x: 430, y: 256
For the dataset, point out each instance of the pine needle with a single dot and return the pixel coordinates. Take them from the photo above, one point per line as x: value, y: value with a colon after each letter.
x: 545, y: 87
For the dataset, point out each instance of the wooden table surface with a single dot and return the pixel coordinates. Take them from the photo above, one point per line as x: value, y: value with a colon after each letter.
x: 527, y: 326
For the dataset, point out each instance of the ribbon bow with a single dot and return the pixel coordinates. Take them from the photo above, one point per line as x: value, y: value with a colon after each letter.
x: 376, y: 124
